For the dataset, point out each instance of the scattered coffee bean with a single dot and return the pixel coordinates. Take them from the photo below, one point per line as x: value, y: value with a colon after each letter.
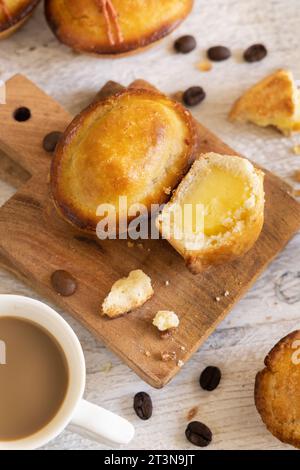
x: 50, y: 141
x: 63, y: 283
x: 198, y: 434
x: 185, y: 44
x: 255, y: 53
x: 193, y: 95
x: 142, y: 405
x: 210, y: 378
x: 218, y: 53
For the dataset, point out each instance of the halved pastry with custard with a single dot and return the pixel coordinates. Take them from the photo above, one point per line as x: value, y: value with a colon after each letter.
x: 274, y: 101
x: 216, y: 214
x: 13, y: 14
x: 114, y: 26
x: 136, y: 144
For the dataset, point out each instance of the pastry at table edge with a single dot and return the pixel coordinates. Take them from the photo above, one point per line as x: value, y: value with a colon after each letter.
x: 277, y: 389
x: 273, y: 101
x: 231, y: 192
x: 147, y: 142
x: 113, y: 38
x: 16, y: 18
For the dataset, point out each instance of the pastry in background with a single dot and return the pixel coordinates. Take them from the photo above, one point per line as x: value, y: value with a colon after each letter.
x: 13, y: 14
x: 137, y: 143
x: 128, y: 294
x: 229, y: 193
x: 274, y: 101
x: 277, y: 390
x: 114, y: 27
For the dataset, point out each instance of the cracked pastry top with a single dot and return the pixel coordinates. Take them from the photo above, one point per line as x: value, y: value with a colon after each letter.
x: 114, y: 26
x: 137, y: 143
x: 13, y: 13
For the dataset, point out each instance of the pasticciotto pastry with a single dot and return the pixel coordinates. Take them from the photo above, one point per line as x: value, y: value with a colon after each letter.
x: 13, y: 14
x: 274, y: 101
x: 216, y: 214
x: 136, y: 144
x: 114, y: 27
x: 128, y: 294
x: 277, y: 390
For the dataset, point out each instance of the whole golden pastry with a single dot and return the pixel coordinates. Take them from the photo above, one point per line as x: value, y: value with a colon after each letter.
x: 137, y: 143
x: 277, y: 390
x: 13, y: 13
x: 114, y: 26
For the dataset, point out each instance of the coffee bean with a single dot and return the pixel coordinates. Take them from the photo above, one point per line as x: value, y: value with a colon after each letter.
x: 142, y: 404
x: 255, y: 53
x: 193, y: 95
x: 218, y: 53
x: 198, y: 434
x: 50, y: 141
x: 210, y: 378
x: 185, y: 44
x: 63, y: 283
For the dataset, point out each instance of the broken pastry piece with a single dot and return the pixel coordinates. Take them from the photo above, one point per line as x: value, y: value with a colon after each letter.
x: 274, y: 101
x: 165, y: 320
x: 13, y: 14
x: 216, y: 214
x: 127, y: 294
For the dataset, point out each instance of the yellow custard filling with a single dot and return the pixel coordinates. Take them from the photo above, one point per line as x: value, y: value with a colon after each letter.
x: 221, y: 194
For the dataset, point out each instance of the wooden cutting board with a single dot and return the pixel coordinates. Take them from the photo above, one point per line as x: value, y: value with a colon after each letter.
x: 34, y: 242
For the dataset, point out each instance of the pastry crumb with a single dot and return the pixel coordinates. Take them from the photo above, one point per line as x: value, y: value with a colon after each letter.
x: 296, y: 176
x: 140, y: 246
x: 180, y: 363
x: 182, y: 348
x: 165, y: 320
x: 296, y: 192
x: 296, y: 149
x: 204, y: 66
x: 217, y: 299
x: 192, y: 413
x: 130, y: 244
x: 147, y: 353
x: 107, y: 367
x: 167, y: 333
x: 226, y: 293
x: 167, y: 356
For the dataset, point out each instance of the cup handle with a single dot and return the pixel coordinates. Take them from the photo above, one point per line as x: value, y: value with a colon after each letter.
x: 100, y: 425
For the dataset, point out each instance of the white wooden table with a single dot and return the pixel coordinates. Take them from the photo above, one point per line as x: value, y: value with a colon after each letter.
x: 241, y: 342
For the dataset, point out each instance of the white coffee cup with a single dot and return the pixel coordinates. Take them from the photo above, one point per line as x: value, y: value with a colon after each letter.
x: 85, y: 418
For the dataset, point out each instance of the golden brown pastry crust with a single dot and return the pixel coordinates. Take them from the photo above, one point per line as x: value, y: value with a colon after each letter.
x: 273, y: 101
x: 277, y: 390
x: 82, y: 24
x: 17, y: 16
x: 167, y: 143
